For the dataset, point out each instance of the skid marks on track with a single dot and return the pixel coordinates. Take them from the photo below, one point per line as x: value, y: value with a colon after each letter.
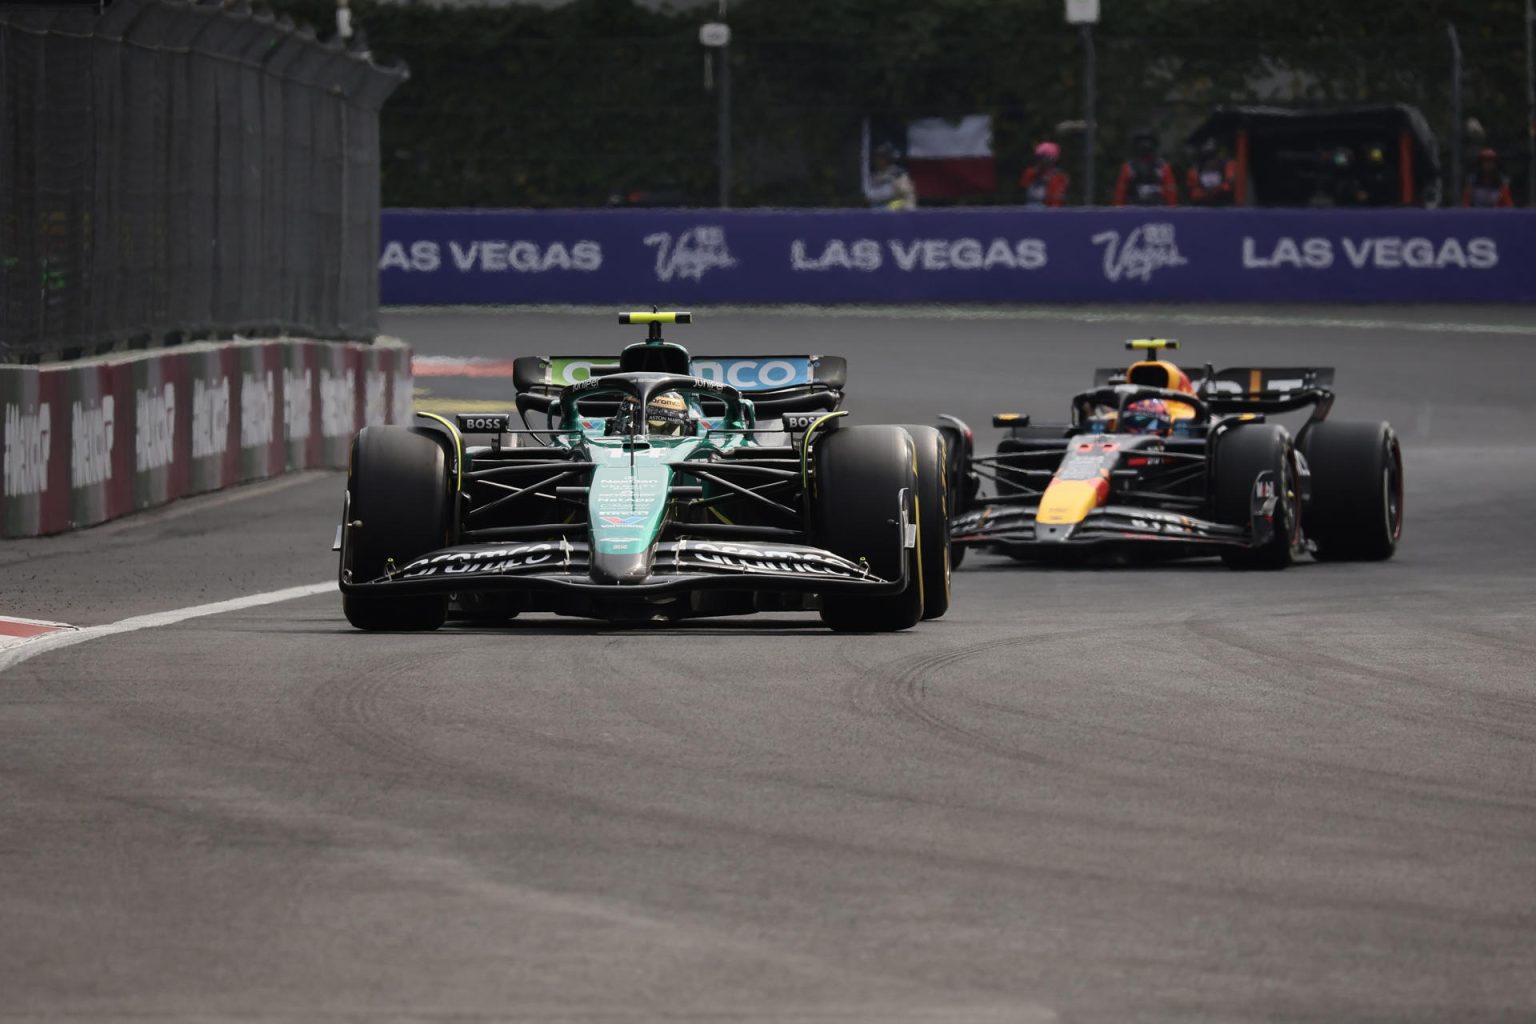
x: 1433, y: 694
x: 908, y: 696
x: 355, y: 707
x: 1358, y: 702
x: 1126, y: 744
x: 610, y: 790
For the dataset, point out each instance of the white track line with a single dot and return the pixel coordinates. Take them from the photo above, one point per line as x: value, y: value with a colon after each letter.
x: 53, y: 641
x: 1011, y: 313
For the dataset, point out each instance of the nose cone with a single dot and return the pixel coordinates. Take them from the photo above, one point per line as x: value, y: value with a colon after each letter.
x: 621, y: 567
x: 1068, y: 502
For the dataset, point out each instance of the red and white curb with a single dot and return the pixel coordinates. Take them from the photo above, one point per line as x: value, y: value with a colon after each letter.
x: 460, y: 366
x: 15, y: 631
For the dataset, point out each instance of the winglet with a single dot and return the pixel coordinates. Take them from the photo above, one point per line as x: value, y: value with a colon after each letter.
x: 656, y: 318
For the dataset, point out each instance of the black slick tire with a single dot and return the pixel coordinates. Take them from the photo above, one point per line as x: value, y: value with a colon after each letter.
x: 854, y: 513
x: 933, y: 498
x: 1242, y: 453
x: 398, y: 489
x: 1356, y: 509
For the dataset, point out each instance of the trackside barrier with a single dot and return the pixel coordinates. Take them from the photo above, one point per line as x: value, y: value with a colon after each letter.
x: 92, y: 440
x: 433, y: 257
x: 179, y: 169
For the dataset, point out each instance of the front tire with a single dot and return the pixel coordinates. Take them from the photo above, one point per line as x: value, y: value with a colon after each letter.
x: 854, y: 513
x: 1242, y: 453
x: 397, y: 488
x: 1356, y: 509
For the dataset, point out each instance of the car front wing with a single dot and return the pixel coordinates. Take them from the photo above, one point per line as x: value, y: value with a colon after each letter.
x: 682, y: 565
x: 1012, y: 528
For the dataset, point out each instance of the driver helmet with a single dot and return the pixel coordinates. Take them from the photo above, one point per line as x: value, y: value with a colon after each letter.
x: 1048, y: 151
x: 666, y: 415
x: 1147, y: 416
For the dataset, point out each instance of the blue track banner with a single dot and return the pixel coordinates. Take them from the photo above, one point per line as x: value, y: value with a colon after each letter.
x: 678, y: 257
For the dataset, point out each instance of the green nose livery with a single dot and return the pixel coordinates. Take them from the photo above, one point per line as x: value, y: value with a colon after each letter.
x: 631, y: 483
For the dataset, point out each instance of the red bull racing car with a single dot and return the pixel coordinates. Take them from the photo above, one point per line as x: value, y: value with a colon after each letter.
x: 1152, y: 464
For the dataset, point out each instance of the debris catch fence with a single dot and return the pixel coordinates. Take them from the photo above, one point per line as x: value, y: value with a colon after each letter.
x: 173, y: 170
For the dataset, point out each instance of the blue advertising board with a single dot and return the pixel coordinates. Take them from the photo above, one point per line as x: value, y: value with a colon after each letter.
x: 680, y: 257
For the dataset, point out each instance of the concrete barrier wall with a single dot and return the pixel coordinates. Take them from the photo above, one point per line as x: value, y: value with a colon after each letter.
x: 636, y: 257
x: 88, y: 441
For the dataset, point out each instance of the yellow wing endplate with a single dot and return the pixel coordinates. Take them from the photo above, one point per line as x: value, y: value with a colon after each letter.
x: 656, y: 318
x: 1150, y: 344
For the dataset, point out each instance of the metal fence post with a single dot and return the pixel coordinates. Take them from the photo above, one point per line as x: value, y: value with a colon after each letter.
x: 725, y: 126
x: 1456, y: 118
x: 177, y: 170
x: 1530, y: 102
x: 1090, y: 115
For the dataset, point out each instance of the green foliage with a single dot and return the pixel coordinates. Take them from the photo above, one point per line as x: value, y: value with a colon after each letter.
x: 524, y: 105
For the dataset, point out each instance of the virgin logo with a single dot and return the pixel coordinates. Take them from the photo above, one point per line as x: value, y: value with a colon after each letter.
x: 1146, y: 249
x: 692, y: 254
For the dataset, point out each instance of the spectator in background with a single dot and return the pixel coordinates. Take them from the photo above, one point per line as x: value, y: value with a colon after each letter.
x: 890, y: 186
x: 1146, y: 179
x: 1212, y: 181
x: 1488, y: 187
x: 1043, y: 183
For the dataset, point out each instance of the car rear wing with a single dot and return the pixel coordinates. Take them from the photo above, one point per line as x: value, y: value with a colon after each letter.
x: 777, y: 385
x: 747, y: 374
x: 1250, y: 388
x: 1267, y: 389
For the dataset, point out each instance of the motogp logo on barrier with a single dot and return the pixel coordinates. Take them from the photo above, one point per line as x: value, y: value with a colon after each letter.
x: 210, y: 418
x: 297, y: 385
x: 27, y: 447
x: 1144, y: 251
x: 258, y: 403
x: 694, y: 253
x: 375, y: 387
x: 338, y: 403
x: 154, y: 441
x: 91, y: 449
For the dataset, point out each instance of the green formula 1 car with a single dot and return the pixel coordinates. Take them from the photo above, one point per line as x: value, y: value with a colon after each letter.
x: 650, y: 488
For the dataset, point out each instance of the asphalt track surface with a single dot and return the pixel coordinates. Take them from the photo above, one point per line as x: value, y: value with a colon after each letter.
x: 1085, y: 795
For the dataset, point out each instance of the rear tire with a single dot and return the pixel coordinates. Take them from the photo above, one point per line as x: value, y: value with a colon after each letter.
x: 933, y: 496
x: 1242, y: 453
x: 397, y: 484
x: 1356, y: 509
x: 859, y: 471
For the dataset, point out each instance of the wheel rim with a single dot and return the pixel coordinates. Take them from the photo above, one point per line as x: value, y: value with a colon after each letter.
x: 1392, y: 489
